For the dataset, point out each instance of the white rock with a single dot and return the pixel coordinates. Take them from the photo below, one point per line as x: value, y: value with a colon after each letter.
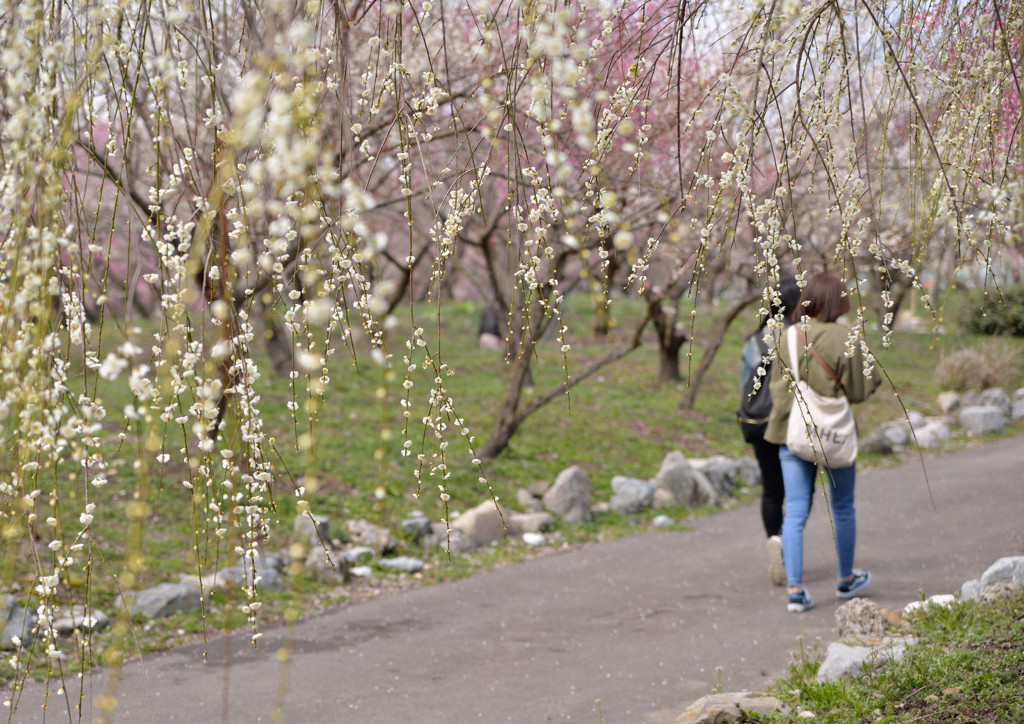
x: 534, y: 539
x: 949, y: 401
x: 662, y: 521
x: 356, y: 554
x: 942, y: 599
x: 1009, y: 569
x: 402, y: 564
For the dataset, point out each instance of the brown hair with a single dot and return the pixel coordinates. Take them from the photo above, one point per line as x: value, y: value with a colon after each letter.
x: 824, y: 298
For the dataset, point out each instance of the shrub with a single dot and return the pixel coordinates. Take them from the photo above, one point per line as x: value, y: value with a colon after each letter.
x: 1000, y: 312
x: 994, y: 363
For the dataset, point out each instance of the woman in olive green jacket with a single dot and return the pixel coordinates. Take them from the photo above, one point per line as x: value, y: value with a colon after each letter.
x: 823, y: 302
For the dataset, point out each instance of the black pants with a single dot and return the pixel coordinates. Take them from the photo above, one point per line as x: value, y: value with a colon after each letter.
x: 773, y: 492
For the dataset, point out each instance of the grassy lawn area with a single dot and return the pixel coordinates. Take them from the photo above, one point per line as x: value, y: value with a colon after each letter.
x: 967, y: 666
x: 622, y: 422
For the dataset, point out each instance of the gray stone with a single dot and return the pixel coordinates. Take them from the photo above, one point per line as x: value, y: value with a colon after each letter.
x: 269, y: 579
x: 527, y: 501
x: 971, y: 398
x: 630, y: 495
x: 970, y: 589
x: 996, y: 397
x: 1018, y: 395
x: 720, y: 471
x: 724, y: 708
x: 7, y: 604
x: 662, y: 521
x: 355, y: 554
x: 269, y: 568
x: 482, y: 525
x: 365, y: 533
x: 978, y: 420
x: 949, y: 401
x: 160, y: 601
x: 312, y: 528
x: 915, y: 418
x: 68, y: 619
x: 326, y: 568
x: 402, y: 564
x: 569, y: 497
x: 876, y: 442
x: 749, y: 472
x: 896, y: 434
x: 1009, y: 569
x: 860, y: 617
x: 18, y: 625
x: 530, y: 522
x: 685, y: 484
x: 417, y: 525
x: 204, y: 585
x: 454, y: 542
x: 264, y: 560
x: 996, y: 591
x: 842, y: 660
x: 1017, y: 410
x: 930, y: 433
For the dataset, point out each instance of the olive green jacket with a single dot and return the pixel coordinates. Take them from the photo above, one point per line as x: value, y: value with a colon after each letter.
x: 829, y: 340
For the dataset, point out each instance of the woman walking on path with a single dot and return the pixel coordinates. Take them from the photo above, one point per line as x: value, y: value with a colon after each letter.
x: 824, y: 302
x: 755, y: 407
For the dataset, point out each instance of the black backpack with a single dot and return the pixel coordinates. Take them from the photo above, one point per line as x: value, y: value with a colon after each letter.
x: 755, y: 406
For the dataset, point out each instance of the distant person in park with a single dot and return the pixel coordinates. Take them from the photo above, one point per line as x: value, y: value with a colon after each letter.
x: 755, y: 406
x: 824, y: 364
x: 490, y: 333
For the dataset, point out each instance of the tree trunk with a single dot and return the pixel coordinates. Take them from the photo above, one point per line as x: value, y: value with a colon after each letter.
x: 712, y: 349
x: 669, y: 340
x: 603, y: 323
x: 508, y: 421
x: 510, y: 417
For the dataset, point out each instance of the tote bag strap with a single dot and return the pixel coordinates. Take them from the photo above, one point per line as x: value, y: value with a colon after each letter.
x: 794, y: 361
x: 792, y: 352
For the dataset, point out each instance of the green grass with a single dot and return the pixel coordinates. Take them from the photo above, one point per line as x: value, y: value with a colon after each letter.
x: 967, y: 667
x: 622, y: 422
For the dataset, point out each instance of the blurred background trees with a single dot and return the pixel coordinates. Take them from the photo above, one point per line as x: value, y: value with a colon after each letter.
x: 185, y: 188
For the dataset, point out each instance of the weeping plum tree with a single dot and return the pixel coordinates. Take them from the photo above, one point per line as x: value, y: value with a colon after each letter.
x: 174, y: 176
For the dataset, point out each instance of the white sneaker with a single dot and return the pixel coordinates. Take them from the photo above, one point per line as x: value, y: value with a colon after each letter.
x: 776, y: 568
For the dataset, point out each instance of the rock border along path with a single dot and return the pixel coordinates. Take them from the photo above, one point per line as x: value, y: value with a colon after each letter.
x: 646, y: 624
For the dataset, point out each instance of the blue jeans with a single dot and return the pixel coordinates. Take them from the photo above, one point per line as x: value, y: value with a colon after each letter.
x: 798, y: 476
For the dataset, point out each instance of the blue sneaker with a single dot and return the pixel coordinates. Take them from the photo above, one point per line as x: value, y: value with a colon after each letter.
x: 799, y: 602
x: 861, y: 580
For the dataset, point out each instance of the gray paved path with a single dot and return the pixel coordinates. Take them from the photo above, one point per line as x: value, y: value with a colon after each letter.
x: 645, y: 624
